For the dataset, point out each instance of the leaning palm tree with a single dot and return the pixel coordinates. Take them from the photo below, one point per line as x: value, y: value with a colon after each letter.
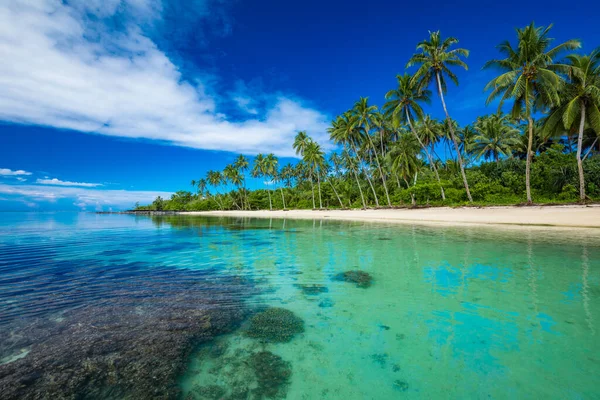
x: 366, y: 117
x: 314, y: 157
x: 350, y: 163
x: 580, y: 101
x: 529, y: 77
x: 333, y: 169
x: 495, y: 137
x: 403, y: 107
x: 434, y: 61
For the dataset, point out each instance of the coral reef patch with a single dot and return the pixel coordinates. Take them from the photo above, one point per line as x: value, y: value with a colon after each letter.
x: 275, y: 325
x: 127, y: 335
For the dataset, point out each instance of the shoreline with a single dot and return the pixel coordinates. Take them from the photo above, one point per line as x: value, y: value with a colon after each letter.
x: 571, y: 216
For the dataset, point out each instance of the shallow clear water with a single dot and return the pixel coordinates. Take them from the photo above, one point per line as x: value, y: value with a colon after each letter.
x: 463, y: 312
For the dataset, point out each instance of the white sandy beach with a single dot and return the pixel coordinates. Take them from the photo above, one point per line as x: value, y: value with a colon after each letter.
x: 559, y: 216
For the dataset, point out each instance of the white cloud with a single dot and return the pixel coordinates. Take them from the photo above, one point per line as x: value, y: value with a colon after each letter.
x: 10, y: 172
x: 82, y: 197
x: 65, y: 69
x: 58, y: 182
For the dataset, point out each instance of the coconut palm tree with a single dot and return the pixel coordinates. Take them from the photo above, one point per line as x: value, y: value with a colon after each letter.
x: 270, y: 170
x: 494, y: 137
x: 530, y: 77
x: 434, y: 61
x: 351, y: 164
x: 345, y: 130
x: 201, y: 184
x: 241, y: 164
x: 430, y: 132
x: 215, y: 179
x: 314, y: 157
x: 580, y: 103
x: 333, y: 168
x: 366, y: 119
x: 233, y: 175
x: 300, y: 142
x: 403, y: 158
x: 403, y: 107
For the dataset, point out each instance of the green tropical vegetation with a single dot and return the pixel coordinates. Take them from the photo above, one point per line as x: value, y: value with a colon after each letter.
x: 541, y: 144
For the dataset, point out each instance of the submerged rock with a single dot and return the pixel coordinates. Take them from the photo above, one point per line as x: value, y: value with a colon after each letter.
x: 275, y: 325
x: 312, y: 290
x: 272, y: 373
x: 360, y: 278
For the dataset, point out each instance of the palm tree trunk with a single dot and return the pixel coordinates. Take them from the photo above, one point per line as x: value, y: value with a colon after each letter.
x: 528, y: 162
x: 270, y: 204
x: 579, y: 160
x: 319, y: 184
x: 412, y: 196
x: 367, y: 175
x: 312, y: 186
x: 336, y: 193
x: 431, y: 163
x: 451, y: 128
x: 380, y: 170
x: 282, y: 196
x: 398, y: 181
x: 362, y: 196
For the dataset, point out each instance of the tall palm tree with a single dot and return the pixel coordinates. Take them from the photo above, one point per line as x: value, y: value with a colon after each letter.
x: 495, y: 137
x: 366, y: 116
x: 201, y: 184
x: 333, y: 170
x: 580, y: 101
x: 430, y: 132
x: 314, y: 157
x: 530, y: 77
x: 403, y: 158
x: 215, y: 179
x: 242, y: 165
x: 403, y: 107
x: 258, y: 167
x: 270, y: 163
x: 233, y: 175
x: 345, y: 130
x: 350, y: 163
x: 434, y: 61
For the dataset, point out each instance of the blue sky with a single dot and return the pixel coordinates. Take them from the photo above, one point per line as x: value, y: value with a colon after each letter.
x: 108, y: 102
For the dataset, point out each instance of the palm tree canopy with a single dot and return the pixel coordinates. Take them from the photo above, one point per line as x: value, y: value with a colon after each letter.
x: 582, y: 90
x: 403, y: 102
x: 494, y: 137
x: 300, y: 142
x: 435, y: 59
x: 529, y: 73
x: 403, y: 156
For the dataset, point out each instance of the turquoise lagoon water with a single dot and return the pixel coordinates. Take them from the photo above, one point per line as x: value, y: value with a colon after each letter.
x: 461, y: 312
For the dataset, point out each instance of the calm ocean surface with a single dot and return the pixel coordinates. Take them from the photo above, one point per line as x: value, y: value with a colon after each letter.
x: 121, y: 306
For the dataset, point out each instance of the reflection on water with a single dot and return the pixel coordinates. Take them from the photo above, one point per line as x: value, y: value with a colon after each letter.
x: 118, y: 306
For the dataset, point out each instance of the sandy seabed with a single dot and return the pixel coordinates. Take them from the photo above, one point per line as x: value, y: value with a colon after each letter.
x: 571, y: 216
